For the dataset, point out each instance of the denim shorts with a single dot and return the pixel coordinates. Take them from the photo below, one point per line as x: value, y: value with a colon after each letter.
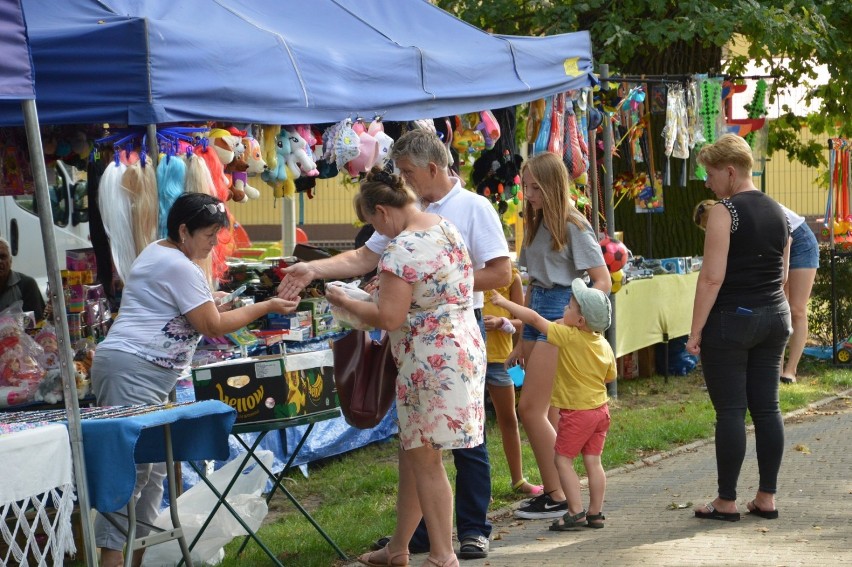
x: 550, y: 304
x: 804, y: 251
x: 496, y: 375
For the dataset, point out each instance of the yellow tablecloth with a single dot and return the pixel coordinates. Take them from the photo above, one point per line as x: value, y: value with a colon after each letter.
x: 650, y: 311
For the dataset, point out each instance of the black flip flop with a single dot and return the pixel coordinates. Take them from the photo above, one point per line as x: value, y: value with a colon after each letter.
x: 755, y: 511
x: 715, y: 514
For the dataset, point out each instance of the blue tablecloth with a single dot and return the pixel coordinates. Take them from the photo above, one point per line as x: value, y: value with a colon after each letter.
x: 327, y: 439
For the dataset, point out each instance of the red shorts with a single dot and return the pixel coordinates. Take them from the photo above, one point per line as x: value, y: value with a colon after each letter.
x: 582, y: 431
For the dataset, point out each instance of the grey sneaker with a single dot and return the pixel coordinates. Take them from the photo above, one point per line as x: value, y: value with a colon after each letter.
x: 474, y: 547
x: 541, y: 507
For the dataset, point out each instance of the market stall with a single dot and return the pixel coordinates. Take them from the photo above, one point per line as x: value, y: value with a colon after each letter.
x: 164, y: 67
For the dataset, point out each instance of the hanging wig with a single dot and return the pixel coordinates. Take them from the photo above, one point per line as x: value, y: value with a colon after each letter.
x: 198, y: 178
x: 114, y: 203
x: 171, y: 177
x: 141, y: 183
x: 217, y: 171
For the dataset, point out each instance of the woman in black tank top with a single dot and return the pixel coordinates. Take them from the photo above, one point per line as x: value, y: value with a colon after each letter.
x: 740, y: 324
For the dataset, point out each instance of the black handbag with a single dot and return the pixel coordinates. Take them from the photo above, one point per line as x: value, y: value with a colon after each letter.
x: 365, y: 376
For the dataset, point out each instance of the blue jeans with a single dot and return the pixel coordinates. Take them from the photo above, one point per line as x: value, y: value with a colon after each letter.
x: 741, y: 356
x: 473, y: 491
x: 804, y: 251
x: 550, y: 304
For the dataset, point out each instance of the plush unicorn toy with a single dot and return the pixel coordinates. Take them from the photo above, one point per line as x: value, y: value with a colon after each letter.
x: 282, y: 150
x: 299, y: 161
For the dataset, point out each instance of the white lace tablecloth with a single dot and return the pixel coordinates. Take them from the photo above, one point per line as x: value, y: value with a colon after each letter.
x: 36, y: 473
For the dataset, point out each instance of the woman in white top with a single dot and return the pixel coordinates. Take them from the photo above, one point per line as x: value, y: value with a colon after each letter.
x: 166, y: 307
x: 804, y: 261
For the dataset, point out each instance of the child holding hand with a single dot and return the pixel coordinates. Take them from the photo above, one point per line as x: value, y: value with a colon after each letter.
x: 586, y: 364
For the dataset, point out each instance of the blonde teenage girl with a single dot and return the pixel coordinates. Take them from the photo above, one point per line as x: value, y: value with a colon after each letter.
x: 559, y: 246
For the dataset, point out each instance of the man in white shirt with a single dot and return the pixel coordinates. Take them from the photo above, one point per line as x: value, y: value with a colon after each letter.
x: 423, y: 162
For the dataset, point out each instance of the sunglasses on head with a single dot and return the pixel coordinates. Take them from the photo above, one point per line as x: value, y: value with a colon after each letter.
x: 213, y: 207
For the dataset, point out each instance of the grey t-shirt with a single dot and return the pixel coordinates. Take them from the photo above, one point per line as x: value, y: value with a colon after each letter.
x: 548, y: 268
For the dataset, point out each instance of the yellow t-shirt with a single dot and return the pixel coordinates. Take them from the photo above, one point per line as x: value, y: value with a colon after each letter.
x: 498, y: 344
x: 585, y: 363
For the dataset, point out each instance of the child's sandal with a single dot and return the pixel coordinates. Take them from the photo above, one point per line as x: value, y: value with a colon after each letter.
x: 535, y: 490
x: 568, y: 522
x: 595, y: 521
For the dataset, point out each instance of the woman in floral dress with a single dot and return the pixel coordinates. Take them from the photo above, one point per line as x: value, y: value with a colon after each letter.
x: 425, y: 302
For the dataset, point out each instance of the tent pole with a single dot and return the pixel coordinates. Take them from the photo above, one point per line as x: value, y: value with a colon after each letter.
x: 612, y: 387
x: 153, y: 148
x: 288, y: 225
x: 66, y: 357
x: 594, y: 190
x: 607, y: 163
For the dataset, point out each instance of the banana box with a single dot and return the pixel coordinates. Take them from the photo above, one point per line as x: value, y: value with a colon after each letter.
x: 265, y: 388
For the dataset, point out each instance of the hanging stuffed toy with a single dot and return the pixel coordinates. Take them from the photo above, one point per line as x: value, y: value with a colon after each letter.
x: 368, y: 150
x: 576, y: 155
x: 377, y: 131
x: 277, y: 170
x: 543, y: 137
x: 254, y: 156
x: 340, y: 143
x: 299, y: 161
x: 489, y: 127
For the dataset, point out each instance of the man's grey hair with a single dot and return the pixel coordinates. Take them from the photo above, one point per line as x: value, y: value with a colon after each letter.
x: 5, y: 242
x: 421, y: 147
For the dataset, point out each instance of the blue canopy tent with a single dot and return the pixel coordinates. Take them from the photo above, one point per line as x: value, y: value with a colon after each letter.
x: 264, y: 61
x: 17, y: 84
x: 142, y: 62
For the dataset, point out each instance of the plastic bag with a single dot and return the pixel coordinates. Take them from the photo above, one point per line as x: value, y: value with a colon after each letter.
x: 195, y: 505
x: 343, y: 316
x: 20, y: 369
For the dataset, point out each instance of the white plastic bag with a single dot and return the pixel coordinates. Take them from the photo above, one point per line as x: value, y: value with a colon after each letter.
x: 195, y: 505
x: 344, y: 316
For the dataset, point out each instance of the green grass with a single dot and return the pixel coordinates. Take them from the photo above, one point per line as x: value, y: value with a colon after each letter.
x: 352, y: 496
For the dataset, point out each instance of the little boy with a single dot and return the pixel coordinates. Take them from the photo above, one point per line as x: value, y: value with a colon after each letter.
x: 586, y: 364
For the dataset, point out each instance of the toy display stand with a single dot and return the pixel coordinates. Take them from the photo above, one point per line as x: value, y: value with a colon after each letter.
x: 837, y: 230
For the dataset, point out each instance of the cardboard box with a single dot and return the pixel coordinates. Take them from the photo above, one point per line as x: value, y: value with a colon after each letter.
x: 270, y: 387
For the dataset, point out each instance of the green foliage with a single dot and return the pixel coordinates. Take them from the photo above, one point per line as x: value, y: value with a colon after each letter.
x: 789, y: 38
x: 820, y: 309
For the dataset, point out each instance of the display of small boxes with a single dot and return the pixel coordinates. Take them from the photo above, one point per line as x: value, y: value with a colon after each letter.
x: 322, y: 320
x: 270, y: 387
x: 681, y: 265
x: 290, y: 321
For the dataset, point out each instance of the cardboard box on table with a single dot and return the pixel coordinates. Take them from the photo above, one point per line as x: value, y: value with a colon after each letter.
x: 264, y: 388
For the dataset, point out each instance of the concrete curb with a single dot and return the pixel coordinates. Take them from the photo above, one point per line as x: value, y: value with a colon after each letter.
x: 653, y: 459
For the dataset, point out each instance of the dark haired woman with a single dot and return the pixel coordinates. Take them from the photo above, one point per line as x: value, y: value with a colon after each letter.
x: 425, y: 301
x: 166, y: 306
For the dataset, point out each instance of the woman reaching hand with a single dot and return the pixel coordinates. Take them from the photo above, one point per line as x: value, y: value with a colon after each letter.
x: 166, y: 307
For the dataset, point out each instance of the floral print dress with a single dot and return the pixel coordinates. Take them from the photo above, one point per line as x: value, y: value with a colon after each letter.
x: 439, y: 349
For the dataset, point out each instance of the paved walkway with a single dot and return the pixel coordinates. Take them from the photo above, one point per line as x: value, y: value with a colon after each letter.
x: 642, y: 528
